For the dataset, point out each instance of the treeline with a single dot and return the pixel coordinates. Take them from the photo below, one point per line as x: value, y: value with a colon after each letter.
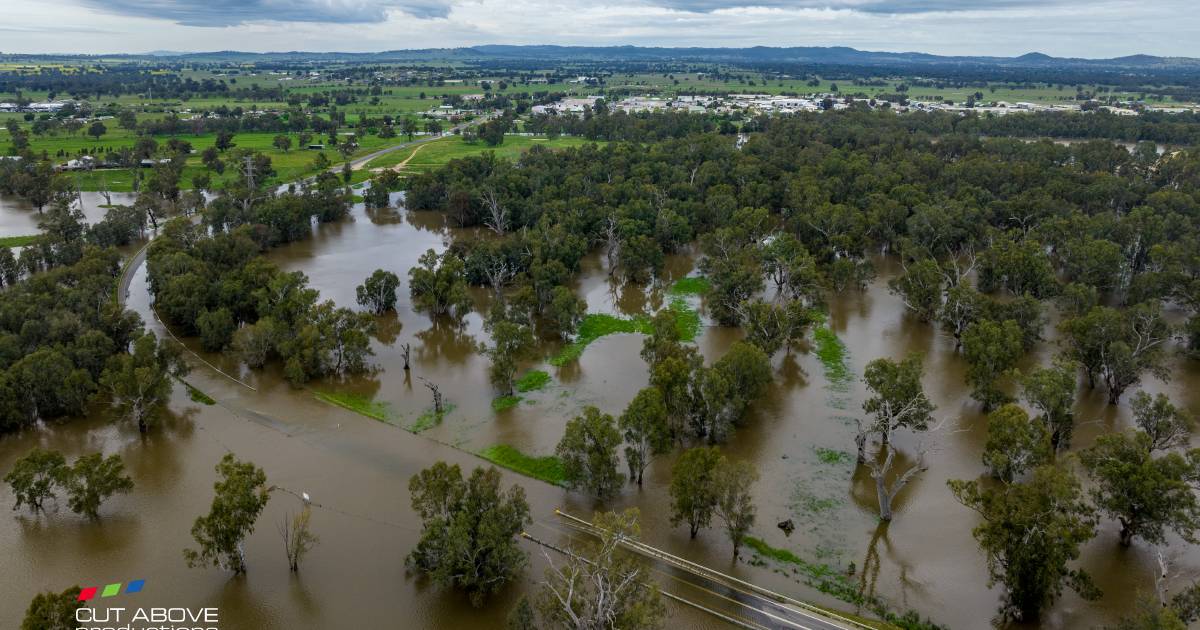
x: 65, y: 341
x: 211, y: 281
x: 841, y: 187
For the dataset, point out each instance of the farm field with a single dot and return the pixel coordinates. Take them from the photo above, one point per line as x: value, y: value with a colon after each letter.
x: 437, y: 153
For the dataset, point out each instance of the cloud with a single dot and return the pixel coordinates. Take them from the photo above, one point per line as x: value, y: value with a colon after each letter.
x: 887, y: 7
x: 235, y: 12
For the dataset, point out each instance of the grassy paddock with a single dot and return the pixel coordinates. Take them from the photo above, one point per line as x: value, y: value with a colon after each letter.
x: 548, y: 469
x: 436, y: 153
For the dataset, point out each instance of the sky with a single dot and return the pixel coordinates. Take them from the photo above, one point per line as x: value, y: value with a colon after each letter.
x: 1068, y: 28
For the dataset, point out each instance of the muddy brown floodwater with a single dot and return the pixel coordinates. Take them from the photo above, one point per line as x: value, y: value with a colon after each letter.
x: 356, y: 469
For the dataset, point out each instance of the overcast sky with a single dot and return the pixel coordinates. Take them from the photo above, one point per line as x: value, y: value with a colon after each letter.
x: 1077, y: 28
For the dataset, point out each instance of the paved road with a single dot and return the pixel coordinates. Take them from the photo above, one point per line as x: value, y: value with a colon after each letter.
x: 737, y: 601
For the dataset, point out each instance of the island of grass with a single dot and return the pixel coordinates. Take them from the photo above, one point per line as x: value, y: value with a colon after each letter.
x: 532, y: 380
x: 831, y: 352
x: 691, y: 285
x: 548, y: 468
x: 597, y: 325
x: 504, y: 403
x: 357, y: 403
x: 18, y: 241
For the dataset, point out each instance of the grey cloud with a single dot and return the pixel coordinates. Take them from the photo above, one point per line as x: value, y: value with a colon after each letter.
x: 865, y: 6
x: 234, y: 12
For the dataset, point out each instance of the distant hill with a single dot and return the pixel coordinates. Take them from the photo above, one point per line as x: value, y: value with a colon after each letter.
x: 814, y: 55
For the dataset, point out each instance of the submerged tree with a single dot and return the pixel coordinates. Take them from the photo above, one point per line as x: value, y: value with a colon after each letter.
x: 646, y: 431
x: 920, y: 288
x: 588, y: 451
x: 439, y: 286
x: 240, y: 496
x: 34, y: 476
x: 694, y: 488
x: 140, y: 382
x: 1015, y: 444
x: 53, y: 611
x: 1118, y: 346
x: 1166, y: 425
x: 298, y: 539
x: 897, y: 399
x: 469, y: 529
x: 1148, y: 495
x: 599, y: 587
x: 734, y: 502
x: 1030, y: 532
x: 991, y: 349
x: 92, y: 479
x: 1052, y: 391
x: 377, y: 293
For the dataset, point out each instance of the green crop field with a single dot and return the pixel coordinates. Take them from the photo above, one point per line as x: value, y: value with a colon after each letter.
x: 433, y: 154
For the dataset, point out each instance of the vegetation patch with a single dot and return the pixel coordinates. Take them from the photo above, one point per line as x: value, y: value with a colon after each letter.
x: 357, y: 198
x: 197, y: 395
x: 597, y: 325
x: 18, y: 241
x: 837, y: 584
x: 692, y: 285
x: 831, y: 352
x: 548, y: 468
x: 832, y: 456
x: 357, y: 403
x: 504, y: 403
x: 533, y: 380
x: 429, y: 419
x: 687, y: 319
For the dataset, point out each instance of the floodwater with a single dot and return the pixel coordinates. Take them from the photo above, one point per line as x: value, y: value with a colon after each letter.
x: 19, y: 218
x: 356, y: 469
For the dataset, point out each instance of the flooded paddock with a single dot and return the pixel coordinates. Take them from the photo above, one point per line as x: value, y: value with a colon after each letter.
x: 800, y: 436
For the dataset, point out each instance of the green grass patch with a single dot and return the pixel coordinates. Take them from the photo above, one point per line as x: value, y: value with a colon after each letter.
x: 429, y: 419
x: 548, y: 468
x: 692, y: 285
x: 357, y: 403
x: 357, y: 198
x: 831, y: 352
x: 18, y: 241
x: 595, y: 326
x: 198, y: 396
x: 832, y: 456
x: 504, y: 403
x: 437, y: 153
x: 533, y: 380
x: 687, y: 319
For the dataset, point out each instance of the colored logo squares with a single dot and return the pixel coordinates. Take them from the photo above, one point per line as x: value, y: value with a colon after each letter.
x: 110, y: 590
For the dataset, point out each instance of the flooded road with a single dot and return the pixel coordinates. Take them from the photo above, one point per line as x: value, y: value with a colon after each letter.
x: 357, y: 469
